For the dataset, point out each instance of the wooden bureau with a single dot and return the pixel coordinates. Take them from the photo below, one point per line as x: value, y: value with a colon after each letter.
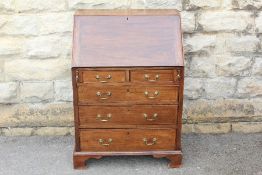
x: 128, y: 76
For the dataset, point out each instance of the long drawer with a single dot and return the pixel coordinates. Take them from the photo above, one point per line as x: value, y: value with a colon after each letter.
x: 127, y: 139
x: 127, y: 115
x: 136, y: 94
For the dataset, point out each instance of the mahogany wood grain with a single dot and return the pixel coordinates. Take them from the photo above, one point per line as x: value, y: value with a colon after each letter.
x: 80, y: 158
x: 87, y: 94
x: 127, y: 139
x: 137, y: 56
x: 127, y: 115
x: 154, y: 76
x: 175, y: 159
x: 180, y: 111
x: 118, y: 41
x: 102, y: 76
x: 75, y: 97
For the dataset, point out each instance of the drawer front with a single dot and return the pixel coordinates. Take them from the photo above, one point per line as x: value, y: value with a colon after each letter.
x: 101, y: 94
x: 154, y: 94
x: 127, y: 115
x: 155, y: 76
x: 103, y: 76
x: 127, y: 140
x: 135, y: 94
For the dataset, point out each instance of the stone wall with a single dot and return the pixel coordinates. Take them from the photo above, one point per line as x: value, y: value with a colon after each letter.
x: 223, y: 55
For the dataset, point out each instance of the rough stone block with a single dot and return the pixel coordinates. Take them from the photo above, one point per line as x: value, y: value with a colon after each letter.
x: 220, y: 87
x: 10, y: 46
x: 37, y: 91
x: 2, y: 77
x: 56, y: 22
x: 257, y: 103
x: 37, y: 114
x: 53, y: 131
x: 6, y: 5
x: 202, y: 66
x: 187, y: 128
x: 247, y: 127
x: 8, y: 92
x: 225, y: 21
x: 247, y: 4
x: 164, y: 4
x: 193, y: 88
x: 212, y: 128
x: 97, y: 4
x: 47, y: 47
x: 17, y: 131
x: 257, y: 67
x: 197, y: 4
x: 233, y: 66
x: 221, y: 110
x: 47, y: 69
x: 3, y: 20
x: 242, y: 43
x: 199, y: 42
x: 63, y: 91
x: 21, y: 25
x: 258, y: 22
x: 249, y: 87
x: 188, y: 21
x: 39, y: 5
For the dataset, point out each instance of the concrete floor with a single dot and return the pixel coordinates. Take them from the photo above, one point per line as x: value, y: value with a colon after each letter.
x: 231, y: 154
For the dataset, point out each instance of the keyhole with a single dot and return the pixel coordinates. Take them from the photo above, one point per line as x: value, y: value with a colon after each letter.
x: 127, y: 18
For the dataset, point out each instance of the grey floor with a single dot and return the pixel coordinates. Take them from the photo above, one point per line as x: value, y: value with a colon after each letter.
x: 231, y: 154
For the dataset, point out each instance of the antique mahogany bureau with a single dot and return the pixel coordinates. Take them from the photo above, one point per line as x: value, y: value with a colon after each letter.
x: 128, y: 76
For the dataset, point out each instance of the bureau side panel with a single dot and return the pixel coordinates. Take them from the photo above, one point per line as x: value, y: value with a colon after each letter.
x: 75, y: 77
x: 180, y: 110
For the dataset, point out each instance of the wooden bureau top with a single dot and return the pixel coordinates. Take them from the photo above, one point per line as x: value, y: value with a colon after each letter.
x: 125, y: 38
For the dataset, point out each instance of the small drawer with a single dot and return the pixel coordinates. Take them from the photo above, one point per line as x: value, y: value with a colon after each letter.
x: 102, y: 76
x: 127, y: 139
x: 156, y: 76
x: 88, y: 93
x: 127, y: 115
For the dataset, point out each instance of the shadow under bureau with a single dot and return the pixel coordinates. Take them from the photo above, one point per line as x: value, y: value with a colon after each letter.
x: 128, y: 76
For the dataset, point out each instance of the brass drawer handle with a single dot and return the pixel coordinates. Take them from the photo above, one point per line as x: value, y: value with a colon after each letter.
x: 148, y: 143
x: 103, y: 81
x: 103, y: 96
x: 154, y: 95
x: 154, y: 117
x: 104, y: 143
x: 147, y: 78
x: 105, y: 118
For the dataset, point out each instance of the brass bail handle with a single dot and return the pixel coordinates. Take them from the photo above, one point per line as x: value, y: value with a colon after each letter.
x: 150, y: 143
x: 105, y: 143
x: 152, y: 96
x: 104, y: 118
x: 103, y: 80
x: 103, y: 95
x: 147, y: 78
x: 154, y: 117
